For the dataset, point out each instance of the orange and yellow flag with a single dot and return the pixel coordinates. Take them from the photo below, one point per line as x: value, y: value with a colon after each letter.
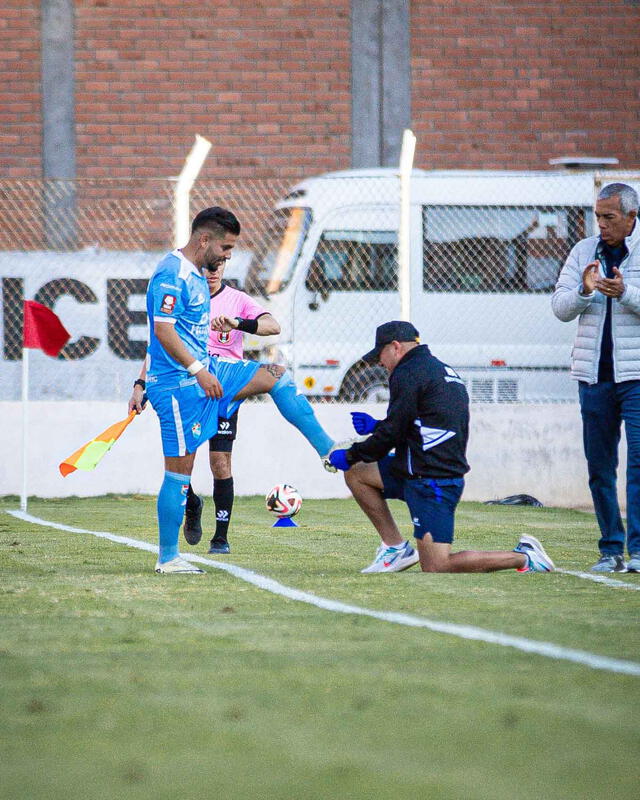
x: 90, y: 454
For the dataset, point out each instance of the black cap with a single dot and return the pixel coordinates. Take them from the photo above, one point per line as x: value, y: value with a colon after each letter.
x: 395, y: 331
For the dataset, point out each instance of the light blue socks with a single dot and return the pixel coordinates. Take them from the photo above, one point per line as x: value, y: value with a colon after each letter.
x: 171, y: 502
x: 295, y: 409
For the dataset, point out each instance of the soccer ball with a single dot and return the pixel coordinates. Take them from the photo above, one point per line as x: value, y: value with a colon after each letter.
x: 283, y: 500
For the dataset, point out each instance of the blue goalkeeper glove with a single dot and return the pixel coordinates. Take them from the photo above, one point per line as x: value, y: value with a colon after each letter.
x: 363, y: 423
x: 338, y: 459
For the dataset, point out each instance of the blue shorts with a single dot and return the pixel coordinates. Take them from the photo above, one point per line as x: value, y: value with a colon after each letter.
x: 187, y: 416
x: 432, y: 502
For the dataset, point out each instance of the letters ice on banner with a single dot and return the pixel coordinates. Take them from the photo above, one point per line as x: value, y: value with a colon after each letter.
x: 100, y: 295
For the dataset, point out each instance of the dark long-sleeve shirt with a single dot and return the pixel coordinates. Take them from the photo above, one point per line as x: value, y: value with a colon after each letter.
x: 427, y: 420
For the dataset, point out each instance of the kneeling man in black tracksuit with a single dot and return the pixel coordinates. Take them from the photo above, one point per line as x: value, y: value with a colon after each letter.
x: 427, y: 423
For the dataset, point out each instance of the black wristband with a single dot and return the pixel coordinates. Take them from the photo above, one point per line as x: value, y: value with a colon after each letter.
x: 139, y: 382
x: 247, y: 325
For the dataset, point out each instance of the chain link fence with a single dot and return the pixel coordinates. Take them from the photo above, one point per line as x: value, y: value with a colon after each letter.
x: 322, y: 257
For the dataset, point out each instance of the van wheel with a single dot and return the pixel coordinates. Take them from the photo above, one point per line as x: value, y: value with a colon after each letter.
x: 369, y: 385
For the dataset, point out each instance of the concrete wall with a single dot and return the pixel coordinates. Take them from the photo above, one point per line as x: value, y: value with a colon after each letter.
x: 533, y: 449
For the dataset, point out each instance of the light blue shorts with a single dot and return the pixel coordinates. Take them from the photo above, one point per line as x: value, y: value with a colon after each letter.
x: 234, y: 376
x: 187, y: 416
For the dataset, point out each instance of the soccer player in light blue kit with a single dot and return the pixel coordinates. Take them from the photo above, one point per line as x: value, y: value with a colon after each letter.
x: 187, y: 389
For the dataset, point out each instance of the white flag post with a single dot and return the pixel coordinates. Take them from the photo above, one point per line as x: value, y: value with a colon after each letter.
x: 25, y: 427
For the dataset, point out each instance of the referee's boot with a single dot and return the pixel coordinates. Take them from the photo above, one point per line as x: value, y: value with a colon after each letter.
x: 219, y: 547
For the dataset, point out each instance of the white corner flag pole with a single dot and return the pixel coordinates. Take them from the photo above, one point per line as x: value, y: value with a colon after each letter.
x: 190, y: 171
x: 25, y: 427
x: 404, y: 227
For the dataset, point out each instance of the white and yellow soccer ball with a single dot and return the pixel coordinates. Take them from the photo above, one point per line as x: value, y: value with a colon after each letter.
x: 284, y: 500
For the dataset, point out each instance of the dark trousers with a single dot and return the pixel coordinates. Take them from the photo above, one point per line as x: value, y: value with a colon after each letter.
x: 604, y: 407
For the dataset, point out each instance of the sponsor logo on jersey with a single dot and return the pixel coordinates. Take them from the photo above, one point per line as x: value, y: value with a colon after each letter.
x: 196, y: 429
x: 168, y: 304
x: 199, y: 331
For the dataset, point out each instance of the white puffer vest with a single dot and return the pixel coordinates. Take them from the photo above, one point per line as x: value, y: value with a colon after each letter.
x: 567, y: 304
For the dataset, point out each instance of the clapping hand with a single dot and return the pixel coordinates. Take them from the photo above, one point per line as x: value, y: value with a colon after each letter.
x: 611, y: 287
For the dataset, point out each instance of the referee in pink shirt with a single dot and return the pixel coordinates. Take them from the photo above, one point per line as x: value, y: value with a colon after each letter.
x: 232, y: 313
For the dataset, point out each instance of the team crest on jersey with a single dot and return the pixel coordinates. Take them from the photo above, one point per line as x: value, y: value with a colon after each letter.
x: 185, y: 489
x: 224, y: 336
x: 196, y: 429
x: 168, y: 304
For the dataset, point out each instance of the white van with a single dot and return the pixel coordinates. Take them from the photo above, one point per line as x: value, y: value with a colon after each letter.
x: 486, y: 248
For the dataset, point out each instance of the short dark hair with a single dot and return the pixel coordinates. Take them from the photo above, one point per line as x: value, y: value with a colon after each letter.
x: 217, y: 220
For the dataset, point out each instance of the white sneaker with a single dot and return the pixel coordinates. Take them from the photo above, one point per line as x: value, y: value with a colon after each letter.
x: 537, y: 559
x: 345, y: 444
x: 177, y: 565
x: 392, y: 559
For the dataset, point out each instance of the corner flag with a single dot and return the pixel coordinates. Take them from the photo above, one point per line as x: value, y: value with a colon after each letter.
x: 42, y: 330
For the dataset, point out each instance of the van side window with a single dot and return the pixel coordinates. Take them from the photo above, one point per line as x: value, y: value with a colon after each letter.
x: 356, y: 261
x: 497, y: 248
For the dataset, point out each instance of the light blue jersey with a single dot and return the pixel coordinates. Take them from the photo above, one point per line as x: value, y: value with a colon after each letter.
x: 178, y: 294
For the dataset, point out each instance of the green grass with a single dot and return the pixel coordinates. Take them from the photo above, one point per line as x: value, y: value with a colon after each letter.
x: 116, y: 682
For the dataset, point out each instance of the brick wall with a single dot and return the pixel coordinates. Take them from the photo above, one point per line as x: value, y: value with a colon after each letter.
x: 267, y: 82
x: 507, y: 84
x: 513, y: 84
x: 20, y: 125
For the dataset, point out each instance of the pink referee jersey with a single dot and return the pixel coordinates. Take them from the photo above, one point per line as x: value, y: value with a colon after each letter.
x: 232, y: 303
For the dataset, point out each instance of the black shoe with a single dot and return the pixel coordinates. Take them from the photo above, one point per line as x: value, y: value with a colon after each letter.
x: 219, y: 547
x: 192, y: 522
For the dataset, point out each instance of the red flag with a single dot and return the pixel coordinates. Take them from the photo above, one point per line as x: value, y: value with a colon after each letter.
x: 42, y: 330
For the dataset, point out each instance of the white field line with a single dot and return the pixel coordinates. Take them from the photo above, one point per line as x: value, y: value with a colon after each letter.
x: 589, y: 576
x: 547, y: 649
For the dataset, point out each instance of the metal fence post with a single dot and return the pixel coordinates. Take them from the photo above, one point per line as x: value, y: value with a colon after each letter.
x: 190, y: 171
x: 404, y: 229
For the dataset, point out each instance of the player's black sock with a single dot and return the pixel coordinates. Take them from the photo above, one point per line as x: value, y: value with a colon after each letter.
x: 192, y: 499
x: 223, y: 501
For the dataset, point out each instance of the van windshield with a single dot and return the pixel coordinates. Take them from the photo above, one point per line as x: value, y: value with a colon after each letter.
x: 498, y: 248
x: 355, y: 260
x: 288, y: 230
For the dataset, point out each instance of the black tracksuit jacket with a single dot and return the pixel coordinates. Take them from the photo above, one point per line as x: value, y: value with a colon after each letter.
x: 427, y: 420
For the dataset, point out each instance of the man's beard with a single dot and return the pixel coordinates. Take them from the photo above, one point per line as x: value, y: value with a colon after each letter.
x: 211, y: 263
